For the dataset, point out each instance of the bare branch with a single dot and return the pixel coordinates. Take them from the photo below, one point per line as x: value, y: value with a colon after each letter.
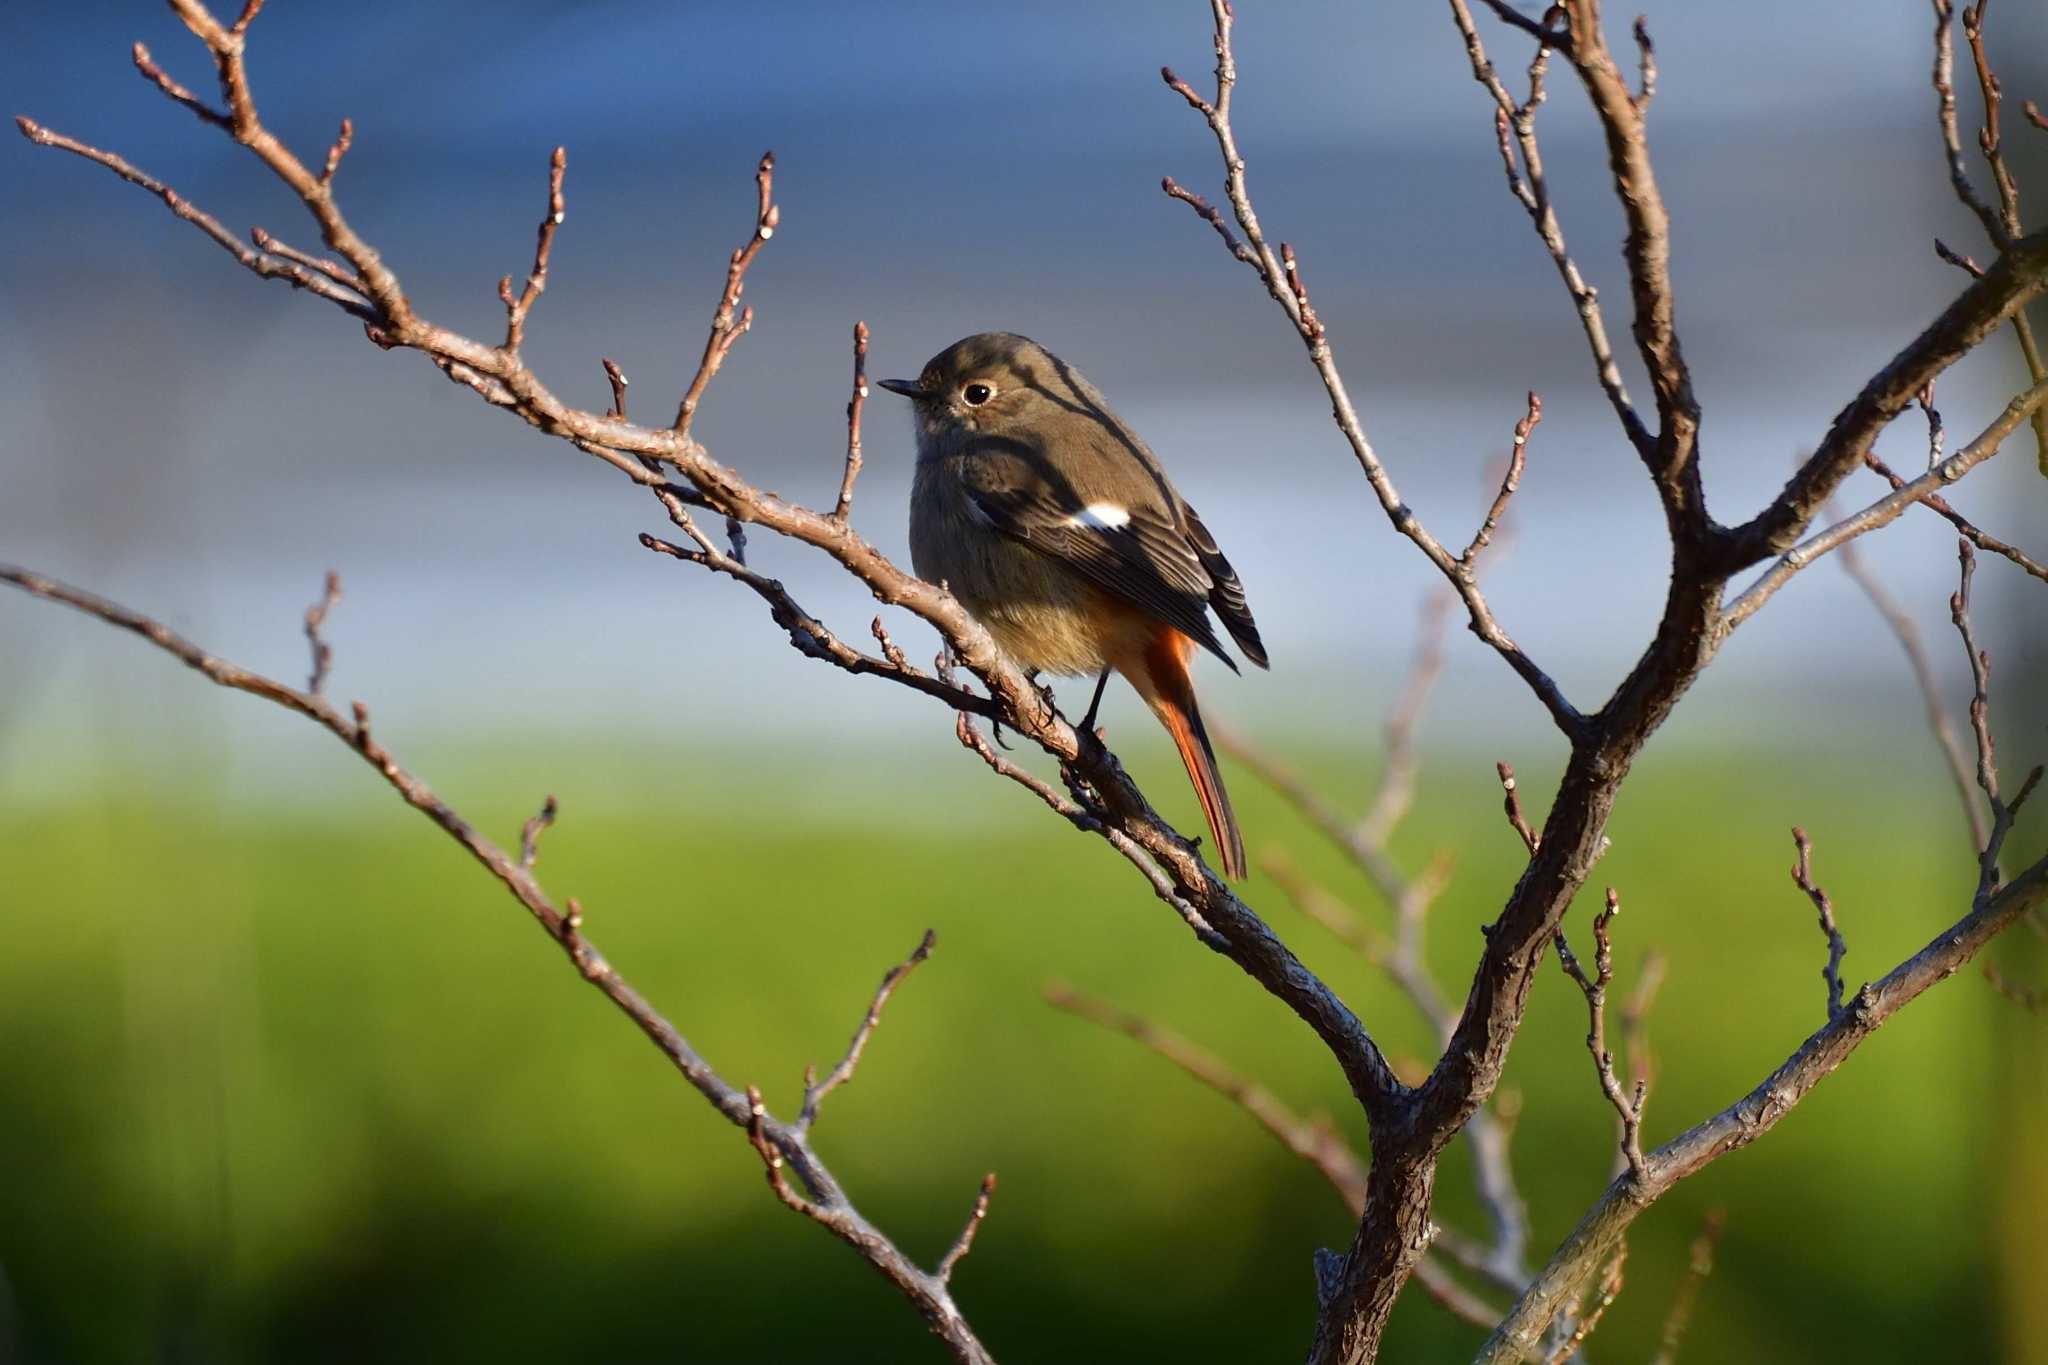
x: 1510, y: 481
x: 331, y: 268
x: 1980, y: 675
x: 778, y: 1144
x: 1672, y: 459
x: 2008, y: 284
x: 1646, y: 64
x: 1757, y: 1112
x: 336, y: 150
x: 1316, y: 1143
x: 1990, y: 142
x: 1882, y: 512
x: 1701, y: 1266
x: 1951, y: 135
x: 536, y: 825
x: 965, y: 1241
x: 815, y: 1092
x: 316, y: 617
x: 844, y: 506
x: 2029, y: 998
x: 1609, y: 1290
x: 809, y: 635
x: 1400, y: 959
x: 1958, y: 259
x: 616, y: 377
x: 1802, y: 877
x: 1511, y: 803
x: 1908, y: 634
x: 1628, y: 1107
x: 1515, y: 126
x: 1934, y: 502
x: 146, y: 64
x: 726, y: 328
x: 1395, y: 789
x: 1202, y: 207
x: 262, y: 264
x: 1365, y: 841
x: 771, y: 1160
x: 1635, y: 1017
x: 516, y: 308
x: 1281, y: 280
x: 1367, y: 854
x: 1541, y: 32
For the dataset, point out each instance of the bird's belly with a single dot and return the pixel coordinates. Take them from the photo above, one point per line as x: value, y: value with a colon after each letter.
x: 1040, y: 613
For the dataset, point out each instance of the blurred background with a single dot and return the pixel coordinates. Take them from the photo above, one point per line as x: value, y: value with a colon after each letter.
x: 283, y: 1076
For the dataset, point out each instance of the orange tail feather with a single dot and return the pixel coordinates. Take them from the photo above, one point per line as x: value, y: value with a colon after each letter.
x: 1167, y: 687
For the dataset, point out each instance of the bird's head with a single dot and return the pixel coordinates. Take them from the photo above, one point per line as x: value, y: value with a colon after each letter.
x: 988, y: 383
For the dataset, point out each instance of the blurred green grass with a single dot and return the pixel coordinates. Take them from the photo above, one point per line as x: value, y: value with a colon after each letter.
x: 287, y: 1077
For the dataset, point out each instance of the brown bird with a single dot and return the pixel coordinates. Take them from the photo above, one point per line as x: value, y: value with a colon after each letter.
x: 1051, y: 522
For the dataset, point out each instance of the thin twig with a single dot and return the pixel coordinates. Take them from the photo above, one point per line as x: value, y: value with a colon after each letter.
x: 854, y: 404
x: 517, y: 307
x: 1511, y: 803
x: 1510, y: 481
x: 1646, y: 64
x: 815, y: 1092
x: 1802, y: 877
x: 262, y: 264
x: 1635, y: 1017
x: 726, y: 328
x: 1980, y: 676
x: 1951, y: 134
x: 1394, y: 791
x: 146, y: 64
x: 1315, y: 1143
x: 2002, y: 223
x: 965, y: 1241
x: 1282, y: 281
x: 336, y: 150
x: 535, y: 826
x: 1515, y: 129
x: 2029, y: 998
x: 1934, y: 502
x: 1908, y: 635
x: 331, y: 268
x: 1882, y: 512
x: 1628, y: 1107
x: 1960, y: 260
x: 316, y: 617
x: 1700, y: 1267
x: 616, y: 377
x: 1609, y: 1290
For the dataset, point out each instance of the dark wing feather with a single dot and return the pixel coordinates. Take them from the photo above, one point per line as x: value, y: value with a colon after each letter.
x: 1147, y: 562
x: 1228, y: 594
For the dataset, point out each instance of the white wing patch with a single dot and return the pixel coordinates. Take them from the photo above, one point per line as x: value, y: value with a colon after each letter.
x: 1101, y: 516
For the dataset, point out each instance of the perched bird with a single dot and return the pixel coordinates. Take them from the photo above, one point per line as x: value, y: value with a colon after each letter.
x: 1051, y: 522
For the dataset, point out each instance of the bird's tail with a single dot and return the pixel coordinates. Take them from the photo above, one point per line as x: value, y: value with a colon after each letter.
x: 1161, y: 677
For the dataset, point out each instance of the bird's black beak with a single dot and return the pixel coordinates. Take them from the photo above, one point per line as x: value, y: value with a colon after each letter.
x: 909, y: 388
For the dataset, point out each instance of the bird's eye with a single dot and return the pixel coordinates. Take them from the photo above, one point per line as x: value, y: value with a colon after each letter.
x: 974, y: 395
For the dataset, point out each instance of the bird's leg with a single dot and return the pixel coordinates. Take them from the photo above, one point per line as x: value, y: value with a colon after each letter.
x: 1095, y: 703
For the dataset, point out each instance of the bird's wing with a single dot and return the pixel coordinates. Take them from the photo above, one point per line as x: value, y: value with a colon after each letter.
x: 1227, y: 596
x: 1135, y: 553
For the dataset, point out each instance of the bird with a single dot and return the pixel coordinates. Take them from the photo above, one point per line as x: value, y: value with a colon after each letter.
x: 1059, y: 531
